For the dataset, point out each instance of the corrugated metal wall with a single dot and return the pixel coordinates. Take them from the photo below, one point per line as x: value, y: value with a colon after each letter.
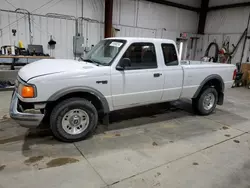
x: 61, y: 30
x: 228, y: 24
x: 128, y: 31
x: 225, y: 2
x: 134, y: 18
x: 92, y: 31
x: 144, y: 14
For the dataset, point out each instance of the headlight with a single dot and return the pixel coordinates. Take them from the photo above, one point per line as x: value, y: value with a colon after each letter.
x: 26, y: 91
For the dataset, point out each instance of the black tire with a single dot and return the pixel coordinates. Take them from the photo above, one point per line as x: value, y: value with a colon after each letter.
x: 198, y: 102
x: 65, y: 106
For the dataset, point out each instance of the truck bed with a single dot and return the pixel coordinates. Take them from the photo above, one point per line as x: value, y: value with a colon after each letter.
x: 196, y: 71
x: 190, y: 62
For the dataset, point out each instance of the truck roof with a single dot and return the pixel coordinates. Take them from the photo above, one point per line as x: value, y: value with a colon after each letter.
x: 139, y: 39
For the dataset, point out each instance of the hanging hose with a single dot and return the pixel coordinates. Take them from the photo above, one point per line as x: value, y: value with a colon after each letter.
x: 216, y: 54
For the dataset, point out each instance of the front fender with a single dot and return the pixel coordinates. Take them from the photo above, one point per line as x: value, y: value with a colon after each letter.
x: 85, y: 89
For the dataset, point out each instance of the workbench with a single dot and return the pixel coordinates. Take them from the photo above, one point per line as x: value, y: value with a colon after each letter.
x: 20, y: 60
x: 10, y: 65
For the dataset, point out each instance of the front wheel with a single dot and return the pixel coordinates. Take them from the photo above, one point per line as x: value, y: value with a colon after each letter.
x: 206, y: 102
x: 73, y: 119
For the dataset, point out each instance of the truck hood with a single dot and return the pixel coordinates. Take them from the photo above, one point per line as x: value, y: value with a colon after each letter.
x: 51, y: 66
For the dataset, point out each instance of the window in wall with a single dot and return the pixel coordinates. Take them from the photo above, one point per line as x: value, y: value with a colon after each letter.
x: 170, y: 55
x: 141, y: 55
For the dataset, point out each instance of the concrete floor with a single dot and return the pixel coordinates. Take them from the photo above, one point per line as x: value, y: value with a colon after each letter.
x: 157, y: 146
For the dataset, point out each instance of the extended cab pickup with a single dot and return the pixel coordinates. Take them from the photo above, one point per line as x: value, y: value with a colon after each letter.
x: 117, y: 73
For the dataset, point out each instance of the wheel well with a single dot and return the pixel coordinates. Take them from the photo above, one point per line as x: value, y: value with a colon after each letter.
x: 216, y: 83
x: 85, y: 95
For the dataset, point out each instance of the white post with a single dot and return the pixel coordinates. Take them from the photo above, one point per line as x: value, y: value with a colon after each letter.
x: 180, y: 51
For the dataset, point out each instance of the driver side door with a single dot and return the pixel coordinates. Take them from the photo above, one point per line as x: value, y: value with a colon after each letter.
x: 141, y: 82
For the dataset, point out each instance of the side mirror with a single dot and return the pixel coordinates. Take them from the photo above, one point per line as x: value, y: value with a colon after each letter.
x: 125, y: 62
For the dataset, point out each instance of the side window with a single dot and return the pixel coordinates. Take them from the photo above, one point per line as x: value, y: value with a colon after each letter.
x: 170, y: 55
x: 141, y: 55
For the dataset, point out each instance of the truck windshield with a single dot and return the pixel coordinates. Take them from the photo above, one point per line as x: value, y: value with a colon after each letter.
x: 104, y: 52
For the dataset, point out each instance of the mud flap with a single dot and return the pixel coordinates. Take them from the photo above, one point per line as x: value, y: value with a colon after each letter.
x: 220, y: 98
x: 105, y: 120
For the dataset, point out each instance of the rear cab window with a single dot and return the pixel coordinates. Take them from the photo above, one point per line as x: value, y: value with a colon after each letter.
x: 170, y: 54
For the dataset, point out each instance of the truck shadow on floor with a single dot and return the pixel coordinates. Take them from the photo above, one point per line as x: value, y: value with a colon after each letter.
x: 139, y: 116
x: 133, y: 117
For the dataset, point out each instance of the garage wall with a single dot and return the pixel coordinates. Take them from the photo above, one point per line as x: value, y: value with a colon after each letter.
x: 145, y: 19
x: 227, y: 24
x: 69, y: 7
x: 192, y: 3
x: 233, y: 20
x: 147, y: 15
x: 136, y: 18
x: 43, y: 28
x: 225, y: 2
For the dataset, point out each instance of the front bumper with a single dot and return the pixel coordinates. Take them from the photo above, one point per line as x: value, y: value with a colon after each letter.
x: 28, y: 120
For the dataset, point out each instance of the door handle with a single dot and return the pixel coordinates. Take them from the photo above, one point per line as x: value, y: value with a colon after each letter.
x: 157, y: 74
x: 102, y: 82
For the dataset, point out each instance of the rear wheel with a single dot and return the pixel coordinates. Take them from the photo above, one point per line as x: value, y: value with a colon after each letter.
x: 73, y: 119
x: 206, y: 102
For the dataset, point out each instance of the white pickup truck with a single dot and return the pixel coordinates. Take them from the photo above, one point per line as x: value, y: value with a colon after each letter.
x: 117, y: 73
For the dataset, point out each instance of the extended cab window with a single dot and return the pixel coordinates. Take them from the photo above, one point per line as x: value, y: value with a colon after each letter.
x: 170, y: 55
x: 141, y: 55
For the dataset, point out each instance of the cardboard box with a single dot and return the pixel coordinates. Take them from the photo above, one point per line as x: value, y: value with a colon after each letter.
x: 245, y: 67
x: 248, y: 77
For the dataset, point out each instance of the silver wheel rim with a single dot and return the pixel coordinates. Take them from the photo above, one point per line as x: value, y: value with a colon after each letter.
x: 208, y: 101
x: 75, y: 121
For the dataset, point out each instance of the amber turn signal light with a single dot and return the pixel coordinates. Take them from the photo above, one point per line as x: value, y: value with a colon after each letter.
x: 28, y: 92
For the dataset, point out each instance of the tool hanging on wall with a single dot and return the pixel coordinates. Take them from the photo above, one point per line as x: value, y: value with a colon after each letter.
x: 51, y: 45
x: 13, y: 47
x: 241, y: 73
x: 224, y: 50
x: 226, y: 55
x: 216, y: 53
x: 245, y: 40
x: 229, y: 55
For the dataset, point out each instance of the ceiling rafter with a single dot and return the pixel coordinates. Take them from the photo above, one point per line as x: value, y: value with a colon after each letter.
x: 229, y: 6
x: 195, y: 9
x: 177, y: 5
